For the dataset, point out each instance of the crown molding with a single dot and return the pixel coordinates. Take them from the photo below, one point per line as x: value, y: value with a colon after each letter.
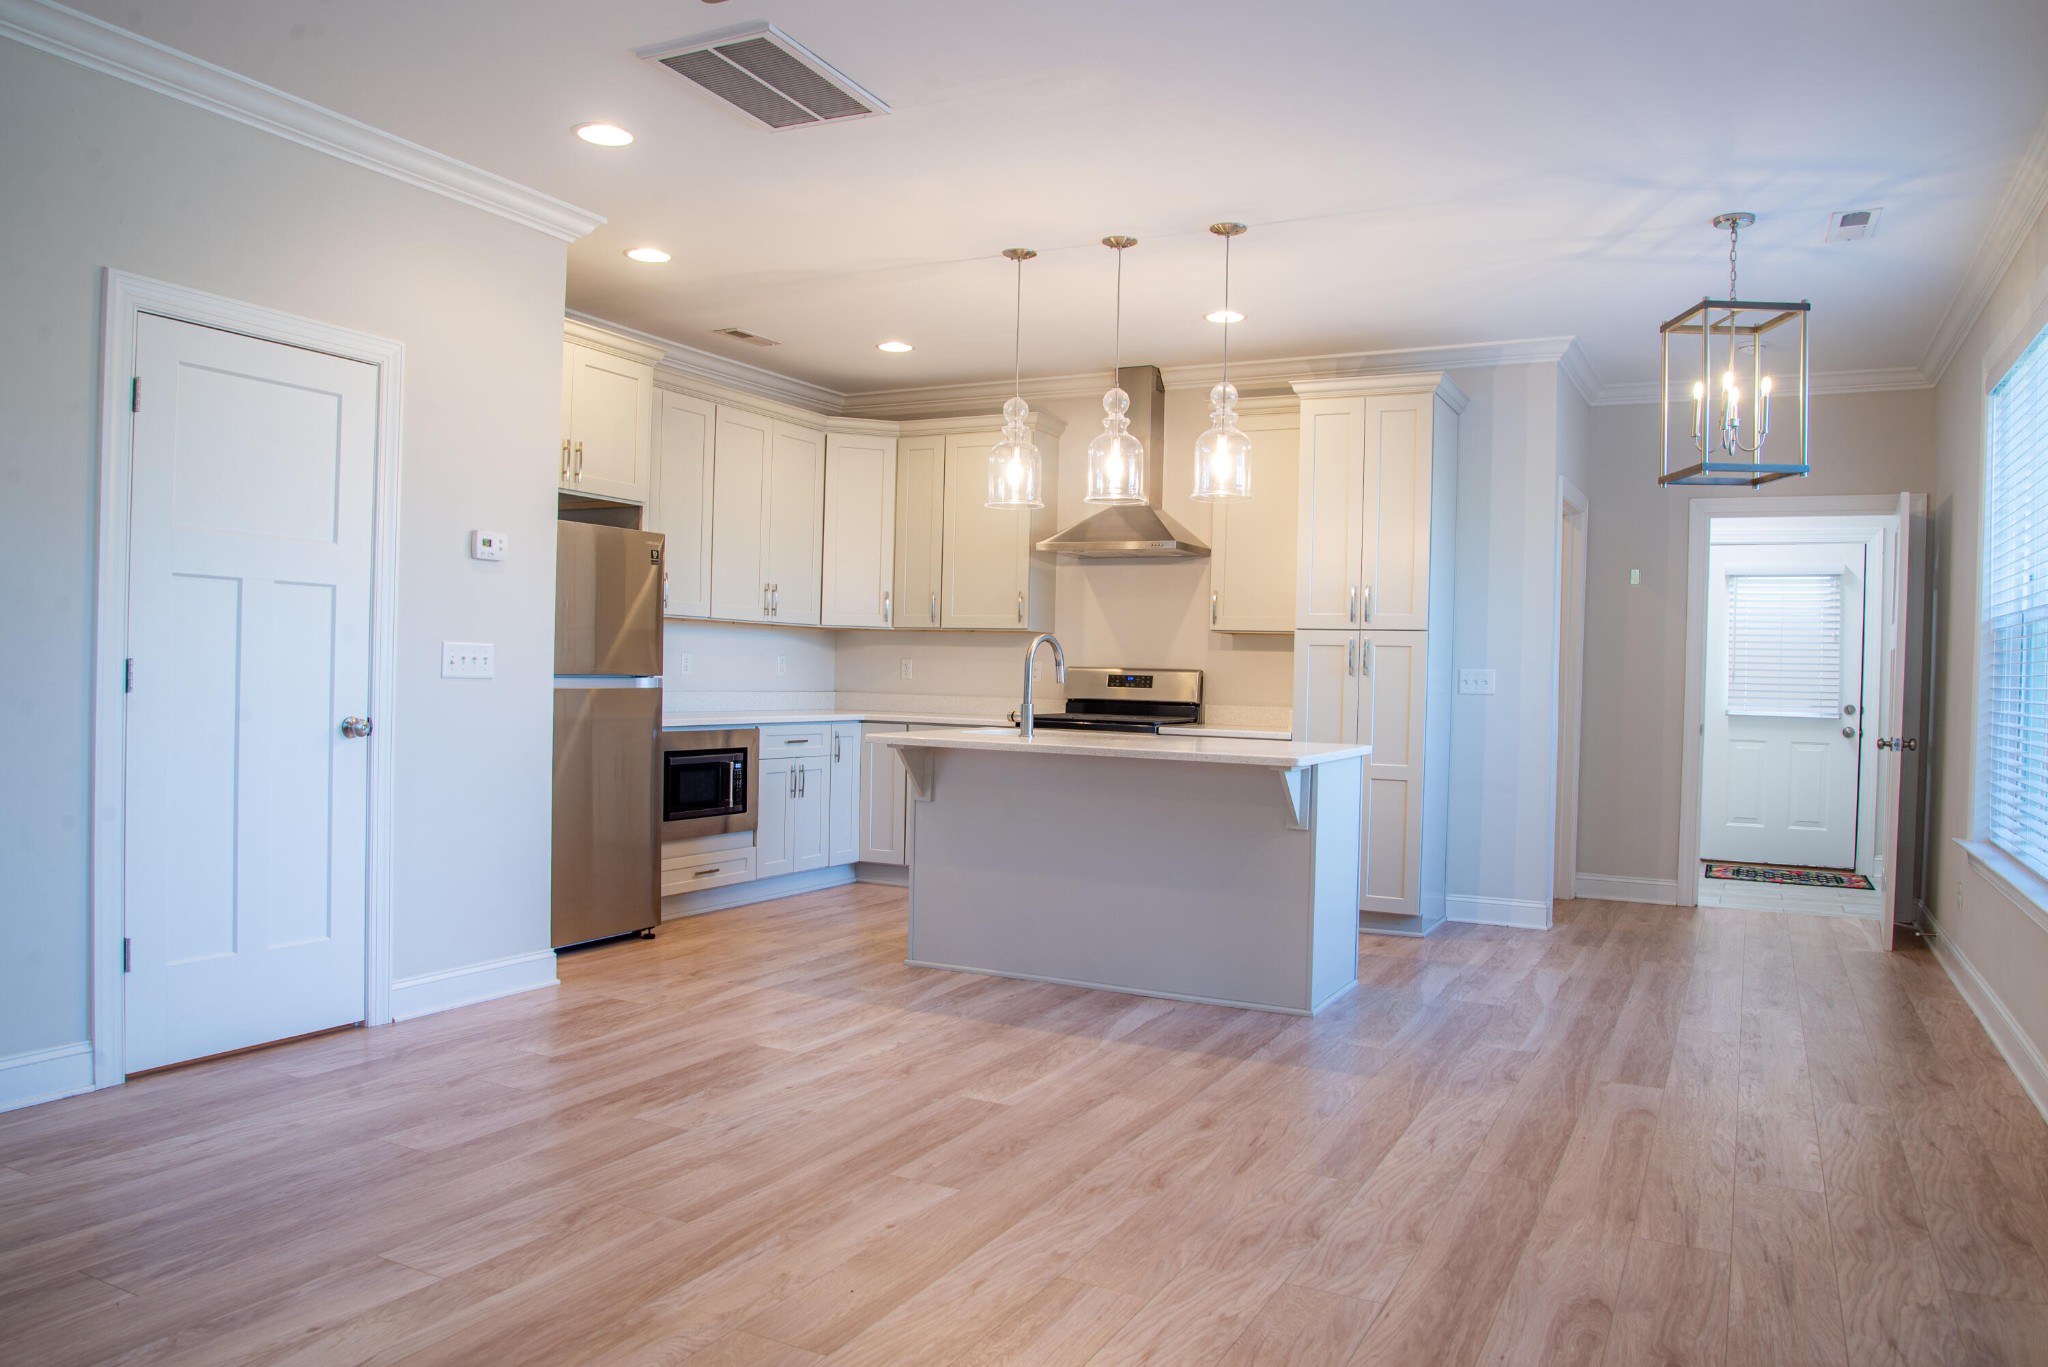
x: 682, y: 362
x: 603, y: 339
x: 1038, y: 424
x: 1285, y: 371
x: 2025, y: 200
x: 111, y: 51
x: 1574, y: 366
x: 1827, y: 382
x: 1396, y: 382
x: 971, y: 396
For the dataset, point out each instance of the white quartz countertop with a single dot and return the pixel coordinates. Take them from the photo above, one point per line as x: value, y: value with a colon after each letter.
x: 1268, y: 754
x: 693, y: 721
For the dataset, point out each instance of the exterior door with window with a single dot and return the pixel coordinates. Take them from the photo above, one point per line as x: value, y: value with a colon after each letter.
x: 1783, y: 727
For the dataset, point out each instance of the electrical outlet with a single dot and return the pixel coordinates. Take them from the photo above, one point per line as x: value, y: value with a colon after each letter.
x: 468, y: 660
x: 1635, y: 577
x: 782, y: 664
x: 1478, y: 682
x: 486, y: 545
x: 683, y: 658
x: 903, y: 666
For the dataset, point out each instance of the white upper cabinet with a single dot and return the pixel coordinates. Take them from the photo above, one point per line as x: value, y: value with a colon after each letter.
x: 1251, y: 561
x: 1399, y: 465
x: 860, y: 530
x: 992, y: 576
x: 739, y: 497
x: 1331, y: 523
x: 680, y: 506
x: 607, y: 422
x: 920, y: 529
x: 792, y: 525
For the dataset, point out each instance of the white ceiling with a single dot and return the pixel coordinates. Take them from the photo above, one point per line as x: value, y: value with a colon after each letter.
x: 1414, y: 175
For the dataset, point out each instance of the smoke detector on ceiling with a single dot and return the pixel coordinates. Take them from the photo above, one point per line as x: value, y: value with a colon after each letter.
x: 767, y: 75
x: 742, y: 335
x: 1852, y: 225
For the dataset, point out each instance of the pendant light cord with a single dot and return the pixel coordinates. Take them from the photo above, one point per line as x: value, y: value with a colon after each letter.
x: 1226, y: 310
x: 1117, y: 355
x: 1017, y: 338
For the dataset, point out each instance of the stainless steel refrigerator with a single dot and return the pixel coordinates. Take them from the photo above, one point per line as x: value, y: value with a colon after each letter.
x: 607, y: 860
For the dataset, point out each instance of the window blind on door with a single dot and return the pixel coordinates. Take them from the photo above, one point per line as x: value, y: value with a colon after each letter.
x: 1784, y: 645
x: 2012, y: 752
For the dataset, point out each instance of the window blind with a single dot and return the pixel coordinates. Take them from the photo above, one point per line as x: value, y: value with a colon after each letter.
x: 2012, y: 752
x: 1784, y: 645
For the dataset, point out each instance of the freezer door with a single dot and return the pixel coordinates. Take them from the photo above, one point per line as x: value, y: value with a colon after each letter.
x: 607, y: 600
x: 607, y: 865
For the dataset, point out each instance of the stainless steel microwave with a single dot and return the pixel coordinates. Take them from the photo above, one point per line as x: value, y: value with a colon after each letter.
x: 707, y: 782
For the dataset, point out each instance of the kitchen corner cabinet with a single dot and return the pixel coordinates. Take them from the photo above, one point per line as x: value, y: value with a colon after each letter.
x: 859, y: 530
x: 1377, y: 501
x: 846, y: 793
x: 679, y: 506
x: 992, y: 574
x: 792, y: 829
x: 920, y: 529
x: 1251, y: 544
x: 607, y: 416
x: 767, y: 502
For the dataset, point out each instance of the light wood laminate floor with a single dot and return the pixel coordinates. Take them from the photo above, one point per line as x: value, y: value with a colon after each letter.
x: 1650, y: 1136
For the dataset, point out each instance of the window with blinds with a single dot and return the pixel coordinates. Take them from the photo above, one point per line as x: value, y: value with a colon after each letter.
x: 1784, y: 645
x: 2012, y: 751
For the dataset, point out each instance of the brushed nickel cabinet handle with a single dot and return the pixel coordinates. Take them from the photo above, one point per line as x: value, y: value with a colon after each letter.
x: 1368, y: 603
x: 1351, y: 612
x: 1212, y: 609
x: 565, y: 458
x: 935, y: 607
x: 1020, y: 607
x: 885, y: 607
x: 1351, y: 656
x: 579, y: 462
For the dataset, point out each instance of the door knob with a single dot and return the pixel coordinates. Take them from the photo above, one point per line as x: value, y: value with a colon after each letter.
x: 1894, y: 743
x: 1850, y: 732
x: 355, y: 728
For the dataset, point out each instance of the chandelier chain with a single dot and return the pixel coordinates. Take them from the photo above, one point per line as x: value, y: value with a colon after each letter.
x: 1733, y: 231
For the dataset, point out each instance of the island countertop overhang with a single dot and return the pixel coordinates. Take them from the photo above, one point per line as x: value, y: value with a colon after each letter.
x: 1264, y: 754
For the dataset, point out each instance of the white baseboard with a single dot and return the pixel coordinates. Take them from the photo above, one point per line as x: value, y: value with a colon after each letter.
x: 443, y: 991
x: 1497, y: 911
x: 2006, y: 1033
x: 760, y: 890
x: 45, y: 1075
x: 1607, y: 887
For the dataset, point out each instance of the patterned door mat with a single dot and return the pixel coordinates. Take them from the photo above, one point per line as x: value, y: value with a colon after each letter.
x: 1776, y: 873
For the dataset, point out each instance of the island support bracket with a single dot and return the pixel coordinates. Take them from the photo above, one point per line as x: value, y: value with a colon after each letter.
x: 1300, y: 797
x: 917, y: 762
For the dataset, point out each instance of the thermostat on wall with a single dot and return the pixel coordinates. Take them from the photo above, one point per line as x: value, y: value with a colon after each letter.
x: 486, y: 545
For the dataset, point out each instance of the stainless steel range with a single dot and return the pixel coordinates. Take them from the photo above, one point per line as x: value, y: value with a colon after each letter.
x: 1123, y: 699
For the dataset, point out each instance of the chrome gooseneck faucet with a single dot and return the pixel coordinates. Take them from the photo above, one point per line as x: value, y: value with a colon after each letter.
x: 1059, y: 669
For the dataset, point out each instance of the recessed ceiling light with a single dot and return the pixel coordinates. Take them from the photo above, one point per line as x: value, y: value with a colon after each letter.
x: 1225, y: 316
x: 603, y: 134
x: 654, y: 255
x: 894, y: 346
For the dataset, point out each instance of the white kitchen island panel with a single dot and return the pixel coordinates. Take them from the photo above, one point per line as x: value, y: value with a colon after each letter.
x: 1221, y: 872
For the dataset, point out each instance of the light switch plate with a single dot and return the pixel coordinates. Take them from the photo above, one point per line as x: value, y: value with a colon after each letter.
x: 1478, y: 682
x: 486, y: 545
x: 903, y: 667
x: 468, y: 660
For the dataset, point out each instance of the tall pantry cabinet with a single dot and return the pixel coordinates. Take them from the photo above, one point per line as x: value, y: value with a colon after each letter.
x: 1373, y: 661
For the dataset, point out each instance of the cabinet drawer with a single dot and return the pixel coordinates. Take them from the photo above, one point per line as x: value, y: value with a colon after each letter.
x: 696, y: 872
x: 796, y: 742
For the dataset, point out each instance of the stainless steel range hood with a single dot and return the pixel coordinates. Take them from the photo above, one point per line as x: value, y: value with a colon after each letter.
x: 1135, y: 531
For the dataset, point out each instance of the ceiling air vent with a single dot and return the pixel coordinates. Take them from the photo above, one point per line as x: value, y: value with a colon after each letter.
x: 1852, y: 224
x: 765, y: 73
x: 742, y: 335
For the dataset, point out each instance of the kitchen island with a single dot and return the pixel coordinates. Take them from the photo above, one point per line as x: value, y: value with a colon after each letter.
x: 1203, y: 869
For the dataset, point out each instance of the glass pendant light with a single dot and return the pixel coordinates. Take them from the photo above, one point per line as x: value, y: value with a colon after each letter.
x: 1116, y: 459
x: 1223, y: 471
x: 1014, y: 465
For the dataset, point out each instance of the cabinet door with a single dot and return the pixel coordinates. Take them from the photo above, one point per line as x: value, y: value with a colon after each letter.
x: 920, y: 529
x: 860, y: 531
x: 680, y: 508
x: 1251, y: 561
x: 739, y: 485
x: 810, y: 824
x: 1390, y: 707
x: 611, y: 420
x: 1394, y: 581
x: 846, y: 793
x: 884, y: 793
x: 791, y: 532
x: 1326, y: 678
x: 1331, y: 546
x: 986, y: 563
x: 775, y: 795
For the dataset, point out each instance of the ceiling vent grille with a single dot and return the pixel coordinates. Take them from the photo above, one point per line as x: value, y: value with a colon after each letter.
x: 769, y: 76
x: 742, y: 335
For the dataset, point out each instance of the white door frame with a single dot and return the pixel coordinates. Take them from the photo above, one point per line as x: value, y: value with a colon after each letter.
x: 126, y: 298
x: 1699, y: 533
x: 1568, y: 679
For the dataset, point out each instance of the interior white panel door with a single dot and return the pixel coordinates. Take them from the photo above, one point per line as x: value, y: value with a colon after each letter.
x: 249, y: 627
x: 681, y: 506
x: 1391, y: 697
x: 1330, y: 547
x: 739, y: 492
x: 860, y: 530
x: 793, y: 533
x: 1899, y: 768
x: 1783, y: 727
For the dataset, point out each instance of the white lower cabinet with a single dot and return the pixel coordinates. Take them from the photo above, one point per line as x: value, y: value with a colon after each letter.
x: 792, y: 833
x: 884, y: 790
x: 846, y: 793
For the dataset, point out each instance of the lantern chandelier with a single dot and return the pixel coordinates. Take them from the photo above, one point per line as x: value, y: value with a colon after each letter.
x: 1015, y: 468
x: 1728, y: 442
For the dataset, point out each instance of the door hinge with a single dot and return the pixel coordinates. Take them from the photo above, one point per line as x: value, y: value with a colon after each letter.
x: 135, y: 395
x: 126, y: 946
x: 128, y: 675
